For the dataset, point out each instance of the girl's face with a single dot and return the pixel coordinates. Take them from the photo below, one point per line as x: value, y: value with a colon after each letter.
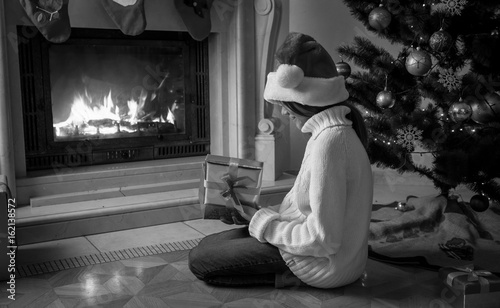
x: 299, y: 120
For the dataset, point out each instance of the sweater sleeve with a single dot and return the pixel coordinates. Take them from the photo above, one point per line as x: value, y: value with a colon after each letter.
x: 320, y: 233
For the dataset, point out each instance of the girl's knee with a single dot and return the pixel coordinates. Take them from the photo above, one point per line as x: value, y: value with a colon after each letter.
x: 195, y: 263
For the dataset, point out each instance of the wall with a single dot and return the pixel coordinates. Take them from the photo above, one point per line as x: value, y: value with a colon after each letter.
x: 332, y: 25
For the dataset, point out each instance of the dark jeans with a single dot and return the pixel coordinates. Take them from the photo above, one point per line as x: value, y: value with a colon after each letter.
x: 234, y: 258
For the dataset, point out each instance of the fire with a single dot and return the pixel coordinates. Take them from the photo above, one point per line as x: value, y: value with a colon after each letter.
x: 136, y: 108
x: 90, y: 118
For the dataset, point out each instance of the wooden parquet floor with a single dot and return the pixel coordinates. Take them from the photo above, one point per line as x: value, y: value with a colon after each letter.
x: 164, y: 280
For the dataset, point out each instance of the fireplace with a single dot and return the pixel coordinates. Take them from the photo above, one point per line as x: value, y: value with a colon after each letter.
x: 104, y: 97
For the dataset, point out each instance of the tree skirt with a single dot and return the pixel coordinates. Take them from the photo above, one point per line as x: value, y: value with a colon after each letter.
x: 438, y: 232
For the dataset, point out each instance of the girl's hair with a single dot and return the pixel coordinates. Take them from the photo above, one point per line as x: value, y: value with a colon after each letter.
x: 355, y: 116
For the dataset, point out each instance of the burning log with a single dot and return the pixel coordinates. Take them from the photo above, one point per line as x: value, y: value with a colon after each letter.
x: 148, y: 127
x: 66, y: 131
x: 102, y: 123
x: 128, y: 126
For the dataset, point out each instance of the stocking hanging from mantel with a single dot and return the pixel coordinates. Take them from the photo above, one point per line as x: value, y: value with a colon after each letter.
x: 50, y: 17
x: 128, y: 15
x: 196, y: 17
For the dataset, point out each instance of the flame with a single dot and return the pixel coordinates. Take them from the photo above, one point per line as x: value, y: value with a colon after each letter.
x: 84, y: 110
x: 136, y: 109
x: 170, y: 117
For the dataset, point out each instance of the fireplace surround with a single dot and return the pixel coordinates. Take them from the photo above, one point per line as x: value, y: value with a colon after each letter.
x: 103, y: 97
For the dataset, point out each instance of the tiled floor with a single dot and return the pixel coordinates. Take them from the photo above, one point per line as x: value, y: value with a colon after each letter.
x: 74, y: 247
x: 165, y: 281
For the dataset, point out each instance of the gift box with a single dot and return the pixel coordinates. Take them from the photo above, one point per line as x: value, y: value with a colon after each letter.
x: 470, y: 287
x: 227, y: 184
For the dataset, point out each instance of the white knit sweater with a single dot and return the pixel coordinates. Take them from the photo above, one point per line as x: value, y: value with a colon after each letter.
x: 321, y: 227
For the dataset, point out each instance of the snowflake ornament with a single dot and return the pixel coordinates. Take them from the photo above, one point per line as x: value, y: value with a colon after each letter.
x: 449, y: 79
x: 454, y: 7
x: 408, y: 137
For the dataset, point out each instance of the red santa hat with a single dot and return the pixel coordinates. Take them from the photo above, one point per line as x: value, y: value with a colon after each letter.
x: 306, y: 74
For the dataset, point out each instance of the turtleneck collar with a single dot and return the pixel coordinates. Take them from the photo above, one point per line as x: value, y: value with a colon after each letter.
x: 335, y: 116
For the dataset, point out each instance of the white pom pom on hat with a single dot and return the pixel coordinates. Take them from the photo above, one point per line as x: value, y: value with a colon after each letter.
x: 289, y: 76
x: 306, y: 74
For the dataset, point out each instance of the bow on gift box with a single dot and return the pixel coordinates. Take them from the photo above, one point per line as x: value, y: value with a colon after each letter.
x: 472, y: 275
x: 231, y: 182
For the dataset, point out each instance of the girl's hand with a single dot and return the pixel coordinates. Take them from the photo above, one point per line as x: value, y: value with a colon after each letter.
x: 247, y: 212
x: 235, y: 219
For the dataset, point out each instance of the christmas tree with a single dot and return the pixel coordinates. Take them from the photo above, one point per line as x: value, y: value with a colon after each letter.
x: 439, y: 95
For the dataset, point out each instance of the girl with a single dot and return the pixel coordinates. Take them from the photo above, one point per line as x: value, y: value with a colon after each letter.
x: 318, y: 235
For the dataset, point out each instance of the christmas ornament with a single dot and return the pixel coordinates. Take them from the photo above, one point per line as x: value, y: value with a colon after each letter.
x: 385, y: 99
x: 379, y: 18
x: 418, y: 62
x: 449, y: 79
x: 479, y: 203
x: 128, y: 15
x: 481, y: 111
x: 409, y: 137
x: 50, y: 17
x: 459, y: 111
x: 195, y: 15
x: 495, y: 33
x: 454, y: 7
x: 440, y: 41
x: 343, y: 68
x: 493, y: 100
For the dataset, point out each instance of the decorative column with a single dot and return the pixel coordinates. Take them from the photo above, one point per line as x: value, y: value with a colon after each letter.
x: 267, y: 20
x: 6, y: 146
x: 245, y: 81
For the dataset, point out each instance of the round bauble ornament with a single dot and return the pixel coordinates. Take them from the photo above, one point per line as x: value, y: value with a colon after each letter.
x: 379, y: 18
x: 493, y: 100
x: 418, y: 62
x: 343, y: 69
x: 481, y: 111
x: 459, y: 111
x: 479, y: 203
x: 440, y: 41
x: 385, y: 99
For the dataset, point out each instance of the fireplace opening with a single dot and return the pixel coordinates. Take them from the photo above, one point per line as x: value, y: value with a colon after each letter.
x: 100, y: 91
x: 103, y: 97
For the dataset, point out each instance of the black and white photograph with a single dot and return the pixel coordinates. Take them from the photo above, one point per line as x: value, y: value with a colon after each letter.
x: 250, y: 153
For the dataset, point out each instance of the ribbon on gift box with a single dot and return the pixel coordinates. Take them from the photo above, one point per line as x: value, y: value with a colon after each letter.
x: 472, y: 275
x: 229, y: 194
